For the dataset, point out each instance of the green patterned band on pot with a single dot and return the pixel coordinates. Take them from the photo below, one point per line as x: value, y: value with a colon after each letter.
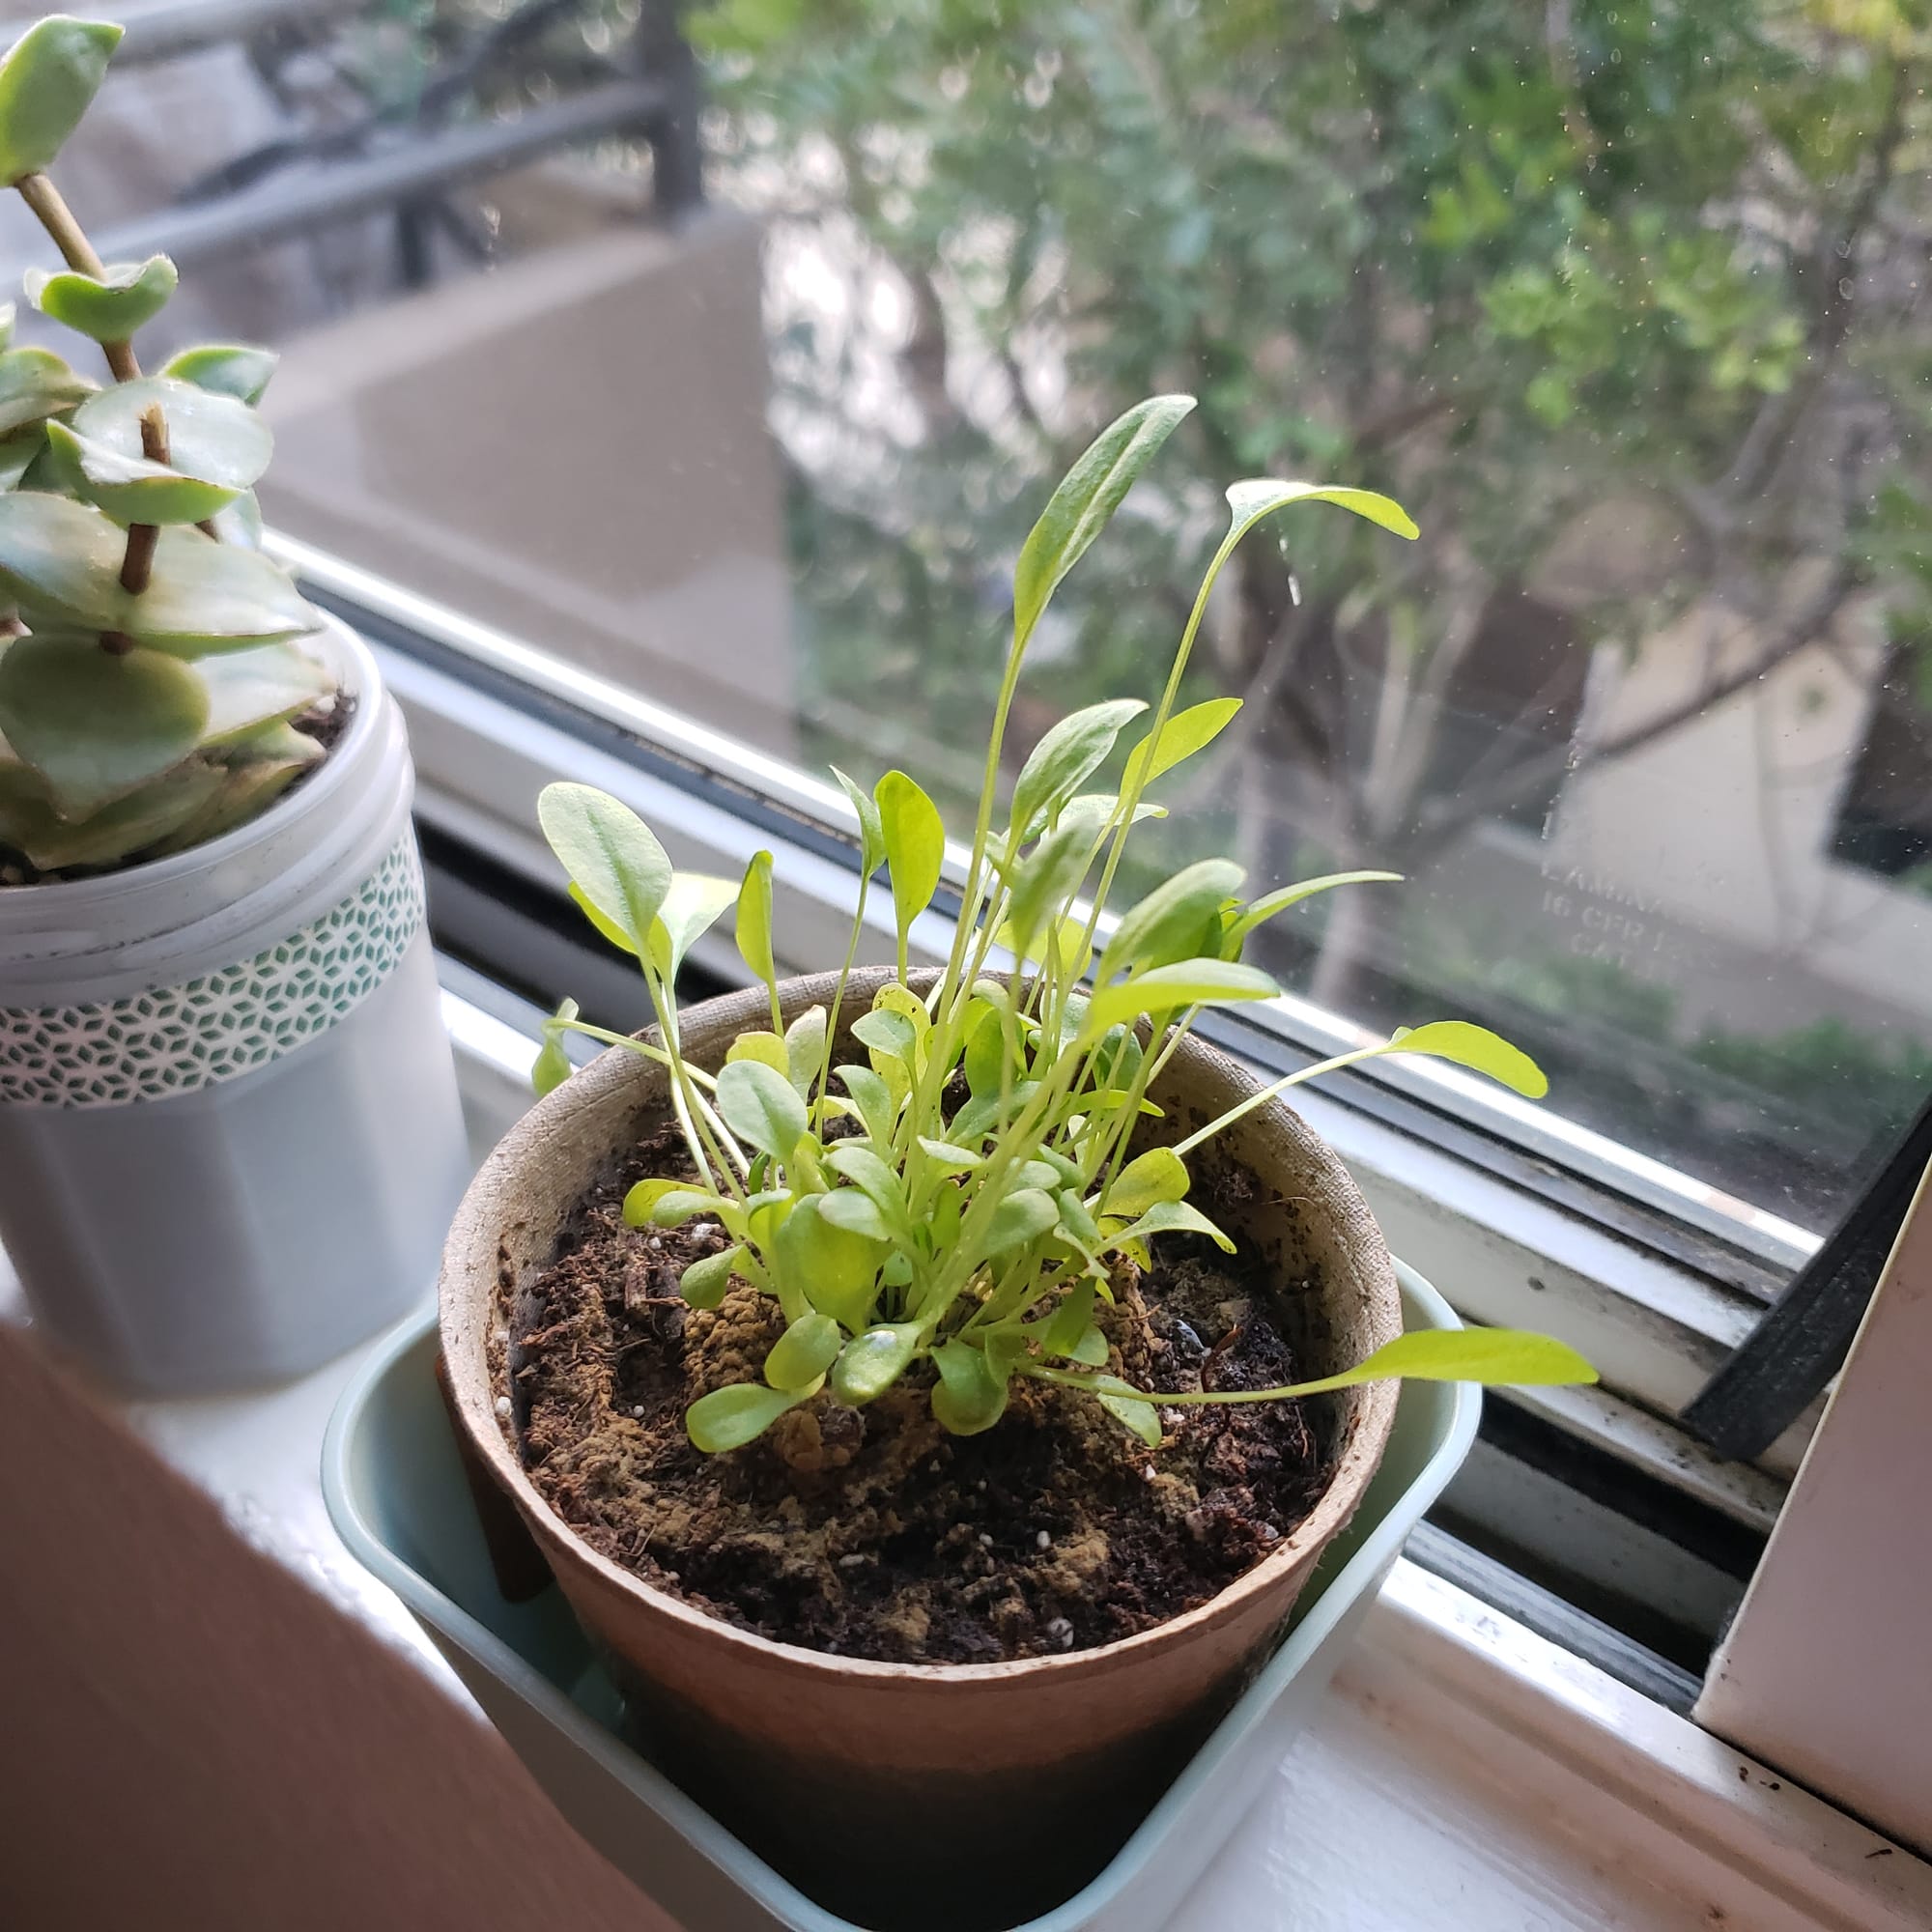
x: 177, y: 1040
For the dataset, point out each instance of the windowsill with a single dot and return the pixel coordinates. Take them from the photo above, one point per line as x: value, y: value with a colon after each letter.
x: 1463, y: 1772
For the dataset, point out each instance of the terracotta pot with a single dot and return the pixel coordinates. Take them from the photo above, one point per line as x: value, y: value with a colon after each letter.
x: 867, y: 1779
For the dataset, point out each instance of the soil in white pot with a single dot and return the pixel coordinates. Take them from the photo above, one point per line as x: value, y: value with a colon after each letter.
x: 873, y: 1533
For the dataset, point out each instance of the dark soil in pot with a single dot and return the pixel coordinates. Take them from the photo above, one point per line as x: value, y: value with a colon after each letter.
x: 873, y: 1533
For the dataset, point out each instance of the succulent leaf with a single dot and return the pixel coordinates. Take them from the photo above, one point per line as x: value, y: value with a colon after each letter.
x: 250, y: 783
x: 209, y: 436
x: 95, y: 725
x: 131, y: 825
x: 35, y: 384
x: 225, y: 368
x: 108, y: 307
x: 250, y: 690
x: 130, y: 489
x: 61, y: 563
x: 47, y: 77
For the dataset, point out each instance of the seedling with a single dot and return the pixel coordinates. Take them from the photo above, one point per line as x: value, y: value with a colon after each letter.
x: 958, y: 1204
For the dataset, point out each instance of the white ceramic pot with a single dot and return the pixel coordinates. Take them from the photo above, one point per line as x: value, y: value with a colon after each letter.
x: 230, y: 1139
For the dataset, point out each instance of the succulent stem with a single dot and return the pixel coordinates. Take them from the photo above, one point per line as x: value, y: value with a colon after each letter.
x: 138, y: 564
x: 39, y: 195
x: 50, y: 209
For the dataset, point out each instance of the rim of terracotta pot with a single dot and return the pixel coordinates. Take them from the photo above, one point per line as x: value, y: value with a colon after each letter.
x: 467, y: 1295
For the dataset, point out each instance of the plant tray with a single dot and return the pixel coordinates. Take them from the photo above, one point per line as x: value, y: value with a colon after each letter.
x: 398, y: 1495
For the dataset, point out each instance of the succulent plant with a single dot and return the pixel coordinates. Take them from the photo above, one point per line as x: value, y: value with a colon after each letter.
x: 150, y: 671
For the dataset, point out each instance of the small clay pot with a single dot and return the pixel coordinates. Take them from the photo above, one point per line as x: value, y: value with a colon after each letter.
x: 906, y: 1789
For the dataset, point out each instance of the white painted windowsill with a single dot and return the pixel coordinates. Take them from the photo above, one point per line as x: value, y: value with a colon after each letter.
x: 1463, y: 1771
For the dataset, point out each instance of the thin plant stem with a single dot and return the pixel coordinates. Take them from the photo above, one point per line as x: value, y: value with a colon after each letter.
x: 52, y: 210
x: 1281, y: 1086
x: 1198, y: 1398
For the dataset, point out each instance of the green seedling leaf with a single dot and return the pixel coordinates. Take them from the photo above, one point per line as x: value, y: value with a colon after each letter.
x: 765, y: 1213
x: 1168, y: 924
x: 872, y: 830
x: 1117, y: 1397
x: 47, y: 79
x: 1188, y: 983
x: 1069, y: 1320
x: 892, y: 998
x: 606, y: 928
x: 765, y: 1046
x: 857, y: 1212
x: 729, y: 1418
x: 1496, y: 1358
x: 873, y: 1100
x: 802, y: 1355
x: 109, y: 307
x: 690, y: 907
x: 755, y: 927
x: 829, y: 1267
x: 1023, y: 1216
x: 947, y: 1158
x: 1477, y: 1047
x: 680, y: 1202
x: 226, y: 369
x: 762, y: 1107
x: 610, y: 854
x: 551, y: 1066
x: 640, y: 1202
x: 1259, y: 497
x: 1180, y: 737
x: 1075, y: 1224
x: 1171, y: 1217
x: 35, y: 384
x: 61, y: 561
x: 1063, y: 760
x: 1080, y: 509
x: 248, y: 690
x: 970, y: 1395
x: 704, y: 1281
x: 978, y: 1118
x: 209, y: 436
x: 872, y: 1362
x: 985, y: 1057
x: 130, y: 489
x: 915, y: 837
x: 873, y: 1177
x: 888, y: 1033
x: 8, y: 314
x: 1046, y: 880
x: 1091, y: 1349
x: 93, y: 726
x: 1068, y: 1171
x: 1265, y: 908
x: 805, y: 1049
x: 1159, y: 1175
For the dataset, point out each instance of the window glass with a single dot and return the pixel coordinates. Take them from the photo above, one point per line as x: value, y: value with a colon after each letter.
x: 743, y: 388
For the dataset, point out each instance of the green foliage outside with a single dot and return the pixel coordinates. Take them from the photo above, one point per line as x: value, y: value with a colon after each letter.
x: 1625, y: 302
